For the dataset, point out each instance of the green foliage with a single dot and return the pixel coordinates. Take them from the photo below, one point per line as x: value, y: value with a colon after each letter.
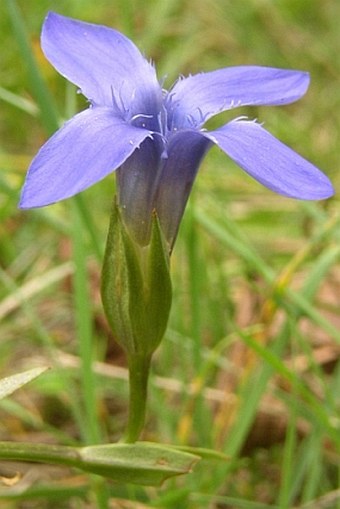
x: 249, y: 364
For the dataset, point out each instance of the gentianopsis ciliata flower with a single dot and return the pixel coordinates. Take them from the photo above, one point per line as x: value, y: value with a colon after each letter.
x: 154, y: 138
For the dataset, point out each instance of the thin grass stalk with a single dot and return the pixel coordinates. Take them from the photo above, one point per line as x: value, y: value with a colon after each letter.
x: 37, y: 84
x: 289, y: 452
x: 83, y: 317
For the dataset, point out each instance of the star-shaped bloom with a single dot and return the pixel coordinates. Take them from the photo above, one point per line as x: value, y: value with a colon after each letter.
x: 155, y: 139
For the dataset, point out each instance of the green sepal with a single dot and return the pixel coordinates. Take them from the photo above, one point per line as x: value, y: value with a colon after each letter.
x: 136, y: 287
x: 158, y: 285
x: 122, y: 281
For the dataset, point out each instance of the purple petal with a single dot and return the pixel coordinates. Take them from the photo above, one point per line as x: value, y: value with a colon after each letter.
x: 185, y: 152
x: 137, y: 181
x: 271, y: 162
x: 199, y: 97
x: 106, y: 65
x: 86, y: 149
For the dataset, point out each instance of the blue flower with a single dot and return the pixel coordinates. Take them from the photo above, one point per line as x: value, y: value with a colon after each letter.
x: 155, y: 139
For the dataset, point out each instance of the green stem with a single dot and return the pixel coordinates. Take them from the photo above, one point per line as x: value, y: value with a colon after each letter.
x: 139, y: 367
x: 56, y: 455
x: 42, y: 453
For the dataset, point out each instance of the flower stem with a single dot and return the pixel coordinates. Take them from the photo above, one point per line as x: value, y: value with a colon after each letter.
x: 139, y: 367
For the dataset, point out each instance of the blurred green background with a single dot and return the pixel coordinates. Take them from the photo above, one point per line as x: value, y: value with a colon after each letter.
x: 250, y: 362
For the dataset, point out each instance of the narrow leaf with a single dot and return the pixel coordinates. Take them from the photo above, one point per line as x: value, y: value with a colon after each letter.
x: 202, y: 452
x: 11, y: 383
x: 140, y: 463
